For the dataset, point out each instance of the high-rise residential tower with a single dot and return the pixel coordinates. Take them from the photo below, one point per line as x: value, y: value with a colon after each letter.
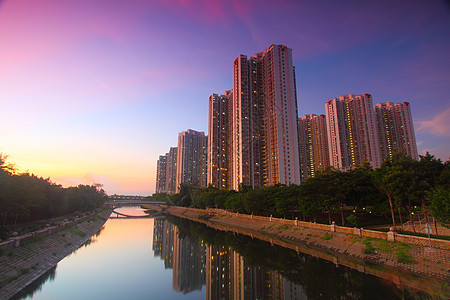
x: 219, y: 140
x: 264, y: 120
x: 171, y: 171
x: 313, y: 145
x: 352, y: 134
x: 246, y: 125
x: 191, y: 158
x: 161, y: 174
x: 395, y: 129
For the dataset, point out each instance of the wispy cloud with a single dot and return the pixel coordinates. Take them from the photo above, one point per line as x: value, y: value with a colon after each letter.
x: 105, y: 87
x: 439, y: 125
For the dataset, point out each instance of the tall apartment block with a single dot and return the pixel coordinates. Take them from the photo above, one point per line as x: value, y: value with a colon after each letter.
x: 191, y: 158
x: 264, y: 146
x: 161, y: 174
x: 395, y: 129
x: 219, y: 140
x: 352, y: 132
x: 313, y: 145
x: 171, y: 171
x: 246, y: 126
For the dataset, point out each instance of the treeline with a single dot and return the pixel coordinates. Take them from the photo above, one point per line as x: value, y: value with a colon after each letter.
x: 25, y: 197
x: 400, y: 187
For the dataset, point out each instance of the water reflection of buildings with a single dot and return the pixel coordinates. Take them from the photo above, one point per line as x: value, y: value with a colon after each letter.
x: 229, y: 276
x: 226, y: 273
x: 188, y: 263
x: 163, y: 241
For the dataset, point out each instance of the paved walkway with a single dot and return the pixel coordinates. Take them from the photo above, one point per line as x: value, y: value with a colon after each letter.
x: 23, y: 265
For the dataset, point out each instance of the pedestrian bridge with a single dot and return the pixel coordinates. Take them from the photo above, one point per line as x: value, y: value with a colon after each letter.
x: 115, y: 205
x: 120, y: 215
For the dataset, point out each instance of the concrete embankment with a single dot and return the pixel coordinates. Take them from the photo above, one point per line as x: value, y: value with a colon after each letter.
x: 24, y: 264
x: 409, y: 265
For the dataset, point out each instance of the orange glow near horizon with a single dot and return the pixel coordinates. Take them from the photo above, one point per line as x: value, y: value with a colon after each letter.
x: 112, y: 177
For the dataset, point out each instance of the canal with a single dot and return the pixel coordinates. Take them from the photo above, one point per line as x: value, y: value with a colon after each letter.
x: 172, y: 258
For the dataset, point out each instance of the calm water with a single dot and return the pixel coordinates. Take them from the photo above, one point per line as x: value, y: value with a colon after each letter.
x: 159, y: 258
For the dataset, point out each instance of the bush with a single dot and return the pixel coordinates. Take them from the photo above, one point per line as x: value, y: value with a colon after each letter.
x: 352, y: 219
x: 369, y: 248
x: 327, y: 236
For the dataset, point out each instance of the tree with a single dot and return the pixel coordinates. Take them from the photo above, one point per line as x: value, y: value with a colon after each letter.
x: 381, y: 181
x: 310, y: 202
x: 427, y: 173
x: 207, y: 196
x: 362, y: 191
x: 235, y: 202
x: 439, y: 198
x: 286, y: 200
x: 395, y: 178
x: 5, y: 176
x: 317, y: 194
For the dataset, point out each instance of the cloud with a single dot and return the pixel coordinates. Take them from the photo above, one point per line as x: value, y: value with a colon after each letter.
x: 105, y: 87
x: 439, y: 125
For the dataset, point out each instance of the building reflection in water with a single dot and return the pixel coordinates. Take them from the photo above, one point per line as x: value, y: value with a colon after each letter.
x: 226, y: 274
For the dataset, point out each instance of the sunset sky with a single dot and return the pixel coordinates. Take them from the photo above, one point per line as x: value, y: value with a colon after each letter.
x: 93, y: 91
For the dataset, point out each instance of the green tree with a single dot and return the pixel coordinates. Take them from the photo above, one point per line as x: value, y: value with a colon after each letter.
x: 362, y: 191
x: 395, y: 178
x: 427, y: 173
x: 207, y: 196
x: 235, y: 202
x: 439, y: 198
x: 315, y: 195
x: 286, y: 200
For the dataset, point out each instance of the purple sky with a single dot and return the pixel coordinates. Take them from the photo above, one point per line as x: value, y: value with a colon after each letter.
x: 94, y: 91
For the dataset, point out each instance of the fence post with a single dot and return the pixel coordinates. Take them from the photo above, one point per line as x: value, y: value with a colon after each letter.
x: 270, y: 218
x: 296, y: 221
x: 391, y: 234
x: 333, y: 227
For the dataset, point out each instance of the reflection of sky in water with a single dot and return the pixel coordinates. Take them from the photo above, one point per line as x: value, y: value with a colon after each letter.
x: 120, y: 265
x: 131, y: 211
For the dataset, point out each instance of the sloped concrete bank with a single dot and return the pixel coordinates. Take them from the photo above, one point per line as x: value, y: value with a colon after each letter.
x: 24, y: 264
x: 411, y: 266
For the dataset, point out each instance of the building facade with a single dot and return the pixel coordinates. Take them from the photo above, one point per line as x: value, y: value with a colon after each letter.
x: 352, y: 132
x: 247, y: 129
x: 395, y: 129
x: 161, y: 165
x: 171, y: 171
x: 264, y: 148
x: 313, y: 145
x: 219, y: 140
x: 191, y: 158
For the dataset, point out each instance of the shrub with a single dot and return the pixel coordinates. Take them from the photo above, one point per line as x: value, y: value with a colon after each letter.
x: 352, y: 220
x: 327, y: 236
x: 369, y: 248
